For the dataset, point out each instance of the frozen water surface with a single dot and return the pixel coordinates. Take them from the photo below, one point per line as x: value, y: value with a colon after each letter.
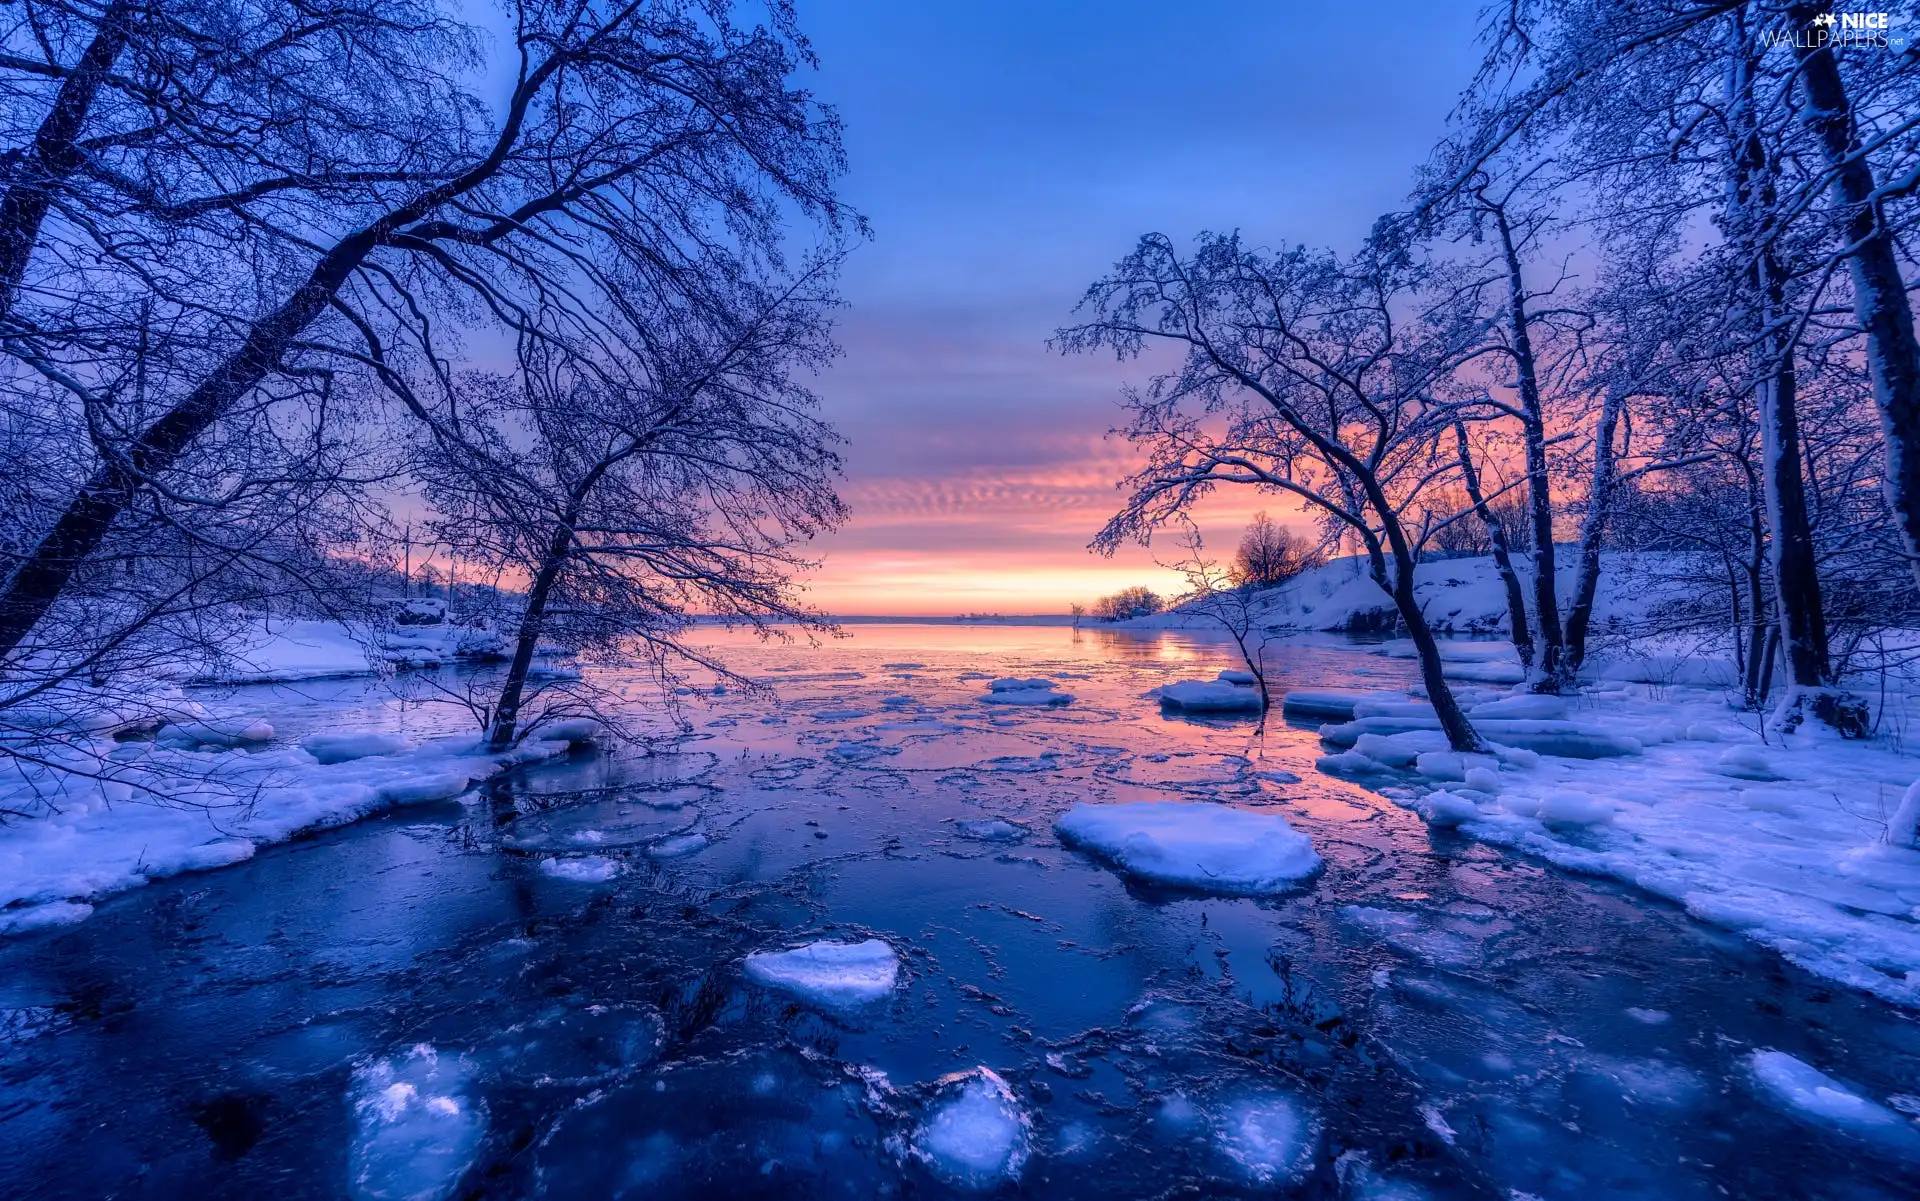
x: 414, y: 1005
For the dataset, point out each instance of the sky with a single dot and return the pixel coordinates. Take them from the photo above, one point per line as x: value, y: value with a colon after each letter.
x: 1006, y: 154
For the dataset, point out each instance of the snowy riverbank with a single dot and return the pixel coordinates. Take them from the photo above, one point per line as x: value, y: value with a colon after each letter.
x: 1781, y: 841
x: 207, y: 794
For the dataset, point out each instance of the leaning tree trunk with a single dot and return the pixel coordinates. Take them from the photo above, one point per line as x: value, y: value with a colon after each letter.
x: 43, y: 574
x: 1879, y: 294
x: 55, y: 153
x: 1461, y: 735
x: 1593, y: 531
x: 506, y: 710
x: 1546, y: 582
x: 1502, y: 555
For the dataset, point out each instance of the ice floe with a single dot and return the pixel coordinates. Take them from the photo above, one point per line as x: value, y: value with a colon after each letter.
x: 833, y: 974
x: 1269, y: 1137
x: 1196, y: 845
x: 1223, y: 695
x: 975, y: 1134
x: 416, y: 1126
x: 585, y: 869
x: 1812, y: 1093
x: 1036, y: 690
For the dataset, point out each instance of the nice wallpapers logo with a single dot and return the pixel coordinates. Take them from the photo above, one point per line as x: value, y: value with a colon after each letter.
x: 1871, y: 29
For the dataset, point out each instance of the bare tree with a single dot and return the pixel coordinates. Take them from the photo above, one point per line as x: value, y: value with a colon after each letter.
x: 1270, y: 554
x: 626, y: 131
x: 1301, y: 374
x: 638, y: 488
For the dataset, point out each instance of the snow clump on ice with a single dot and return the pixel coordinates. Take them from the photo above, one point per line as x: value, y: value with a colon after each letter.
x: 1209, y: 847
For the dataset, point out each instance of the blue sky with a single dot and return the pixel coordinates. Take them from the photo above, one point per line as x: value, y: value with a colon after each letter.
x: 1006, y: 154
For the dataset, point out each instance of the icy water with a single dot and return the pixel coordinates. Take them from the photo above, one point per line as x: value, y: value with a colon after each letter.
x: 540, y: 993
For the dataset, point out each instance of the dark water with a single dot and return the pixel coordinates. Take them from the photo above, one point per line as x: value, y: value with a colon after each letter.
x: 1428, y: 1018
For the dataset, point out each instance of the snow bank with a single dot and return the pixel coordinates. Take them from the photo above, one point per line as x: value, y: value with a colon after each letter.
x: 833, y: 974
x: 160, y: 810
x: 1196, y: 845
x: 976, y: 1135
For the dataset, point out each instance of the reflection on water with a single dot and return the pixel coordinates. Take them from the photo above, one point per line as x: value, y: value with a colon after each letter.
x: 1428, y: 1018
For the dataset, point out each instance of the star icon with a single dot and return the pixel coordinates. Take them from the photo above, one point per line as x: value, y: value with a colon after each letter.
x: 1824, y: 20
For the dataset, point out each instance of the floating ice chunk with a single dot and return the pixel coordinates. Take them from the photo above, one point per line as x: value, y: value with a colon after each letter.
x: 1268, y: 1137
x: 840, y: 714
x: 343, y: 748
x: 975, y: 1135
x: 1231, y: 676
x: 416, y: 1129
x: 1483, y: 779
x: 1817, y: 1095
x: 860, y: 752
x: 675, y: 846
x: 834, y: 974
x: 588, y: 869
x: 1197, y: 696
x: 1036, y: 690
x: 1651, y: 1017
x: 991, y: 829
x: 1194, y: 845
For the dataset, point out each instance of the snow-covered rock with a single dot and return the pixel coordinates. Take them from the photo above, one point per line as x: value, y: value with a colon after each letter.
x: 1212, y: 848
x: 975, y: 1134
x: 832, y: 974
